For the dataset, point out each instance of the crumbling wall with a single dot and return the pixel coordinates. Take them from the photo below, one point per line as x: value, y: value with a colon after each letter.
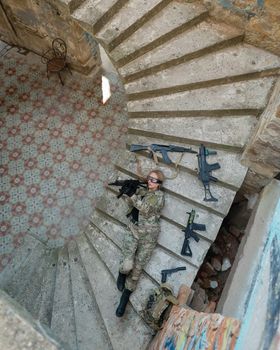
x: 33, y: 24
x: 260, y: 20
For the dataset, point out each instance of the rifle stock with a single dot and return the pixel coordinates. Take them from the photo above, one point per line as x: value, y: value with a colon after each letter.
x: 163, y: 149
x: 136, y: 148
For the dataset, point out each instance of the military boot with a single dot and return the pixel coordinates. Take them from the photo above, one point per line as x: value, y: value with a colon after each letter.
x: 123, y: 302
x: 121, y: 281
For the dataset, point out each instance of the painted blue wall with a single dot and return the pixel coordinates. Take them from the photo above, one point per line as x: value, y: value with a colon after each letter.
x: 269, y: 263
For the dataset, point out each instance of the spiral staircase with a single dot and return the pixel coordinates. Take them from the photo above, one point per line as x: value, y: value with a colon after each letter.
x: 189, y: 80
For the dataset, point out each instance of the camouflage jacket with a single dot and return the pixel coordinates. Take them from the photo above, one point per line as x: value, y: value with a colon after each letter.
x: 149, y: 204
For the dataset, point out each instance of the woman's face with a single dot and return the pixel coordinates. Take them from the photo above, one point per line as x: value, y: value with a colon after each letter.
x: 152, y: 181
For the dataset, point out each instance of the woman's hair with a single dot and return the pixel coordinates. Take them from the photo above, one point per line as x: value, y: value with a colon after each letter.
x: 159, y: 174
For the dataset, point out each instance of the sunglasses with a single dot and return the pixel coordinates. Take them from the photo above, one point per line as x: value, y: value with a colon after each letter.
x: 153, y: 180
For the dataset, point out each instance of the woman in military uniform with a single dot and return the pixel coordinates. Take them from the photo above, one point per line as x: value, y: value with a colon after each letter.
x: 141, y: 237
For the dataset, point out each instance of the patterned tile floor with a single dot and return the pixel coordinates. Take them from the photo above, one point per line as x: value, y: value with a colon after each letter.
x: 57, y: 146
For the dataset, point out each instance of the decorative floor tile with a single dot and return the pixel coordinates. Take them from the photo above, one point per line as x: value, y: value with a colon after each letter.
x: 57, y: 145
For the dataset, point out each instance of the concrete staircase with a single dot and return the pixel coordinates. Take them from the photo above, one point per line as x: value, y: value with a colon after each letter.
x: 189, y: 80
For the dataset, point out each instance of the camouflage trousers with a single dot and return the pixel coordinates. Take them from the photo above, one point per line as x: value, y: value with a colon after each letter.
x: 137, y: 248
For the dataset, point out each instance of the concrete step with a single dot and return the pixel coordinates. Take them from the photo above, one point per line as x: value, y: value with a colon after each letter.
x: 47, y: 292
x: 93, y: 14
x: 90, y: 329
x: 20, y: 257
x: 63, y: 318
x: 204, y: 38
x: 227, y: 160
x: 232, y: 133
x: 237, y: 63
x: 185, y: 186
x: 241, y: 97
x: 30, y: 295
x: 171, y: 236
x: 135, y: 13
x: 110, y: 254
x: 161, y: 258
x: 169, y: 22
x: 128, y: 332
x: 20, y: 278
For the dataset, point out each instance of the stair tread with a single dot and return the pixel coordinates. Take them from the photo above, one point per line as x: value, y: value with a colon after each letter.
x: 132, y: 11
x: 160, y: 259
x: 188, y: 187
x: 243, y: 95
x: 87, y: 315
x: 170, y: 18
x: 20, y: 256
x: 232, y: 131
x: 92, y: 11
x: 241, y: 59
x: 227, y: 160
x: 19, y: 279
x: 203, y: 35
x: 30, y: 296
x: 47, y: 292
x: 63, y: 318
x: 110, y: 254
x: 128, y: 332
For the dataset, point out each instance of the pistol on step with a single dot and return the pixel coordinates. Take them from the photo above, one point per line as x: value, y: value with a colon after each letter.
x: 165, y: 273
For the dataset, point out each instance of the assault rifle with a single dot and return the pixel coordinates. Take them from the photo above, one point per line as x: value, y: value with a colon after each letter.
x: 165, y: 273
x: 164, y: 149
x: 205, y: 172
x: 190, y: 233
x: 128, y: 186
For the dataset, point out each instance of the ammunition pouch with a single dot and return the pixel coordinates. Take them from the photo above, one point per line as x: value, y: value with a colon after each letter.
x: 159, y: 305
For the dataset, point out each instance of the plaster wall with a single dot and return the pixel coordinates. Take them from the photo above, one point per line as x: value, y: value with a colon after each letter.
x: 252, y: 292
x: 18, y: 330
x: 33, y: 24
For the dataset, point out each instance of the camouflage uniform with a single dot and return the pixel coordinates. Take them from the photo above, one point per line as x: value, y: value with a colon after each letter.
x: 141, y: 239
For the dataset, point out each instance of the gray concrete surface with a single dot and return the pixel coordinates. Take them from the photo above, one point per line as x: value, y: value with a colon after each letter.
x: 90, y: 329
x: 233, y: 132
x: 190, y: 44
x: 135, y: 13
x: 18, y: 330
x: 63, y: 322
x: 251, y: 94
x: 238, y: 62
x: 169, y: 20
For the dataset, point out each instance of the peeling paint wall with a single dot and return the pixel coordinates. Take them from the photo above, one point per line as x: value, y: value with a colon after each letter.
x: 33, y: 24
x: 253, y: 291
